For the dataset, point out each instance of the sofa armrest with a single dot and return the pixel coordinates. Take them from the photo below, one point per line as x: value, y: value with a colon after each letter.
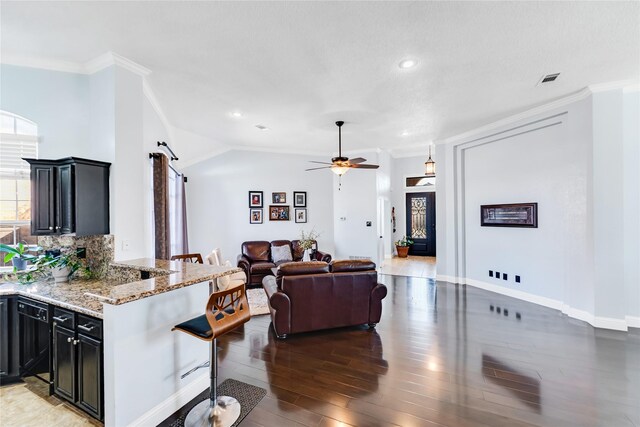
x: 279, y: 306
x: 245, y: 264
x: 375, y: 307
x: 322, y: 256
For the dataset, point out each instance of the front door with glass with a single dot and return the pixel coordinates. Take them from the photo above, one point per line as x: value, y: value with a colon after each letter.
x: 421, y: 223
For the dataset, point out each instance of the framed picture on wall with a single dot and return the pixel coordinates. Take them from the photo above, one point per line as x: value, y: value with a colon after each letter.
x: 255, y: 199
x: 299, y: 199
x: 509, y: 215
x: 255, y: 216
x: 278, y: 213
x: 279, y: 197
x: 301, y: 215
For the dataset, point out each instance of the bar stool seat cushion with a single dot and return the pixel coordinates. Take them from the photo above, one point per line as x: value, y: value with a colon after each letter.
x: 199, y: 326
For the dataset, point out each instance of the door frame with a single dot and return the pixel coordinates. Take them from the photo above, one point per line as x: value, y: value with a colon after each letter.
x: 409, y: 190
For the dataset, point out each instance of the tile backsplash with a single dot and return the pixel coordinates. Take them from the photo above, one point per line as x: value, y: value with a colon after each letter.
x: 100, y: 249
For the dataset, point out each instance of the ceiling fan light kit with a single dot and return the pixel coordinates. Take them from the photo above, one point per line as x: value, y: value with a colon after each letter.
x: 340, y: 165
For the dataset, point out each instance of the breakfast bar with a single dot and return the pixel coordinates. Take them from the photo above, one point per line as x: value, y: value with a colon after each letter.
x: 138, y: 302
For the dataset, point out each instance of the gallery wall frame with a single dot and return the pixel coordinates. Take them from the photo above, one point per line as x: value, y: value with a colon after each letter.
x: 279, y: 213
x: 299, y: 199
x: 255, y: 199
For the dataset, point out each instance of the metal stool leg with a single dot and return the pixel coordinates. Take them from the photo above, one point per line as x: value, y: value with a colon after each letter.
x: 218, y: 411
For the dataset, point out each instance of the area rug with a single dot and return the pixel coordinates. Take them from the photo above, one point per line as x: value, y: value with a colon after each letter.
x: 248, y: 395
x: 258, y: 303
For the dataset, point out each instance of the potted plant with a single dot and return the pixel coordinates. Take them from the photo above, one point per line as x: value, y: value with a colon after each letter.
x: 307, y: 241
x: 402, y: 246
x: 18, y: 255
x: 62, y: 266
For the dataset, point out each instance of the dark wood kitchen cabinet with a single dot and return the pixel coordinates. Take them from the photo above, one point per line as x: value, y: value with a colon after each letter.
x: 9, y: 355
x: 69, y: 195
x: 78, y: 361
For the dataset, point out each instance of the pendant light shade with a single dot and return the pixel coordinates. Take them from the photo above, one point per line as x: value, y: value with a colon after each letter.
x: 430, y: 166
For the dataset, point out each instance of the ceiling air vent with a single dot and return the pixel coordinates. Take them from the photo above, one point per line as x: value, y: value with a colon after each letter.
x: 548, y: 78
x: 262, y: 127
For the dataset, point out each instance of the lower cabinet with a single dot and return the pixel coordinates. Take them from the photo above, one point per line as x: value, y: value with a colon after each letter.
x: 78, y: 361
x: 9, y: 355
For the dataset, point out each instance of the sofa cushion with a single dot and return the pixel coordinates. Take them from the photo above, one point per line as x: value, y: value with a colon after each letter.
x: 262, y: 267
x: 257, y: 250
x: 281, y: 254
x: 299, y: 268
x: 349, y: 265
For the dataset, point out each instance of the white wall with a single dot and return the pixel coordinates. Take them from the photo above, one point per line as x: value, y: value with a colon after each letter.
x: 218, y: 200
x: 354, y: 203
x: 579, y: 161
x: 58, y: 103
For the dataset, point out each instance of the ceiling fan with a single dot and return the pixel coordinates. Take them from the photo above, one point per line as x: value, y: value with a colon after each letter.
x: 340, y: 165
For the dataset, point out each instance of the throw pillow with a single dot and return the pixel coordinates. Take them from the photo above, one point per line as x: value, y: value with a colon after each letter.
x: 281, y: 253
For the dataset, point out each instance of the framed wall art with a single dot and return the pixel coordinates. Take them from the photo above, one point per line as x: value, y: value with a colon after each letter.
x: 279, y: 197
x: 255, y: 216
x: 255, y: 199
x: 509, y: 215
x: 278, y: 213
x: 301, y: 215
x: 299, y: 199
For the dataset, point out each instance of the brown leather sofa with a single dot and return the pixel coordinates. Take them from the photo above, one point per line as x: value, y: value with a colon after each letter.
x: 256, y: 260
x: 310, y: 296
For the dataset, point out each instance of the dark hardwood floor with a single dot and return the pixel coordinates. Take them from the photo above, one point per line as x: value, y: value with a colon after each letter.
x: 441, y: 355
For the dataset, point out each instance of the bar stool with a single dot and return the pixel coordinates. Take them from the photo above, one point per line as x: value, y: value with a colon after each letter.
x: 226, y: 310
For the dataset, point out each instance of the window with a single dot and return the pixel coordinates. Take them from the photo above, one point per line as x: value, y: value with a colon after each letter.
x: 420, y: 181
x: 18, y: 139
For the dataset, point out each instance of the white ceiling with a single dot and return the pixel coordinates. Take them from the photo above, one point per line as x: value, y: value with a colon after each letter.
x: 296, y: 67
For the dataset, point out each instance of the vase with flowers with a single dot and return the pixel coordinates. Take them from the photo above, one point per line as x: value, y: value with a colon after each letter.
x: 307, y: 240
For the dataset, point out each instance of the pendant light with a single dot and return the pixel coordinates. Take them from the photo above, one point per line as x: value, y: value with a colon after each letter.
x: 430, y: 166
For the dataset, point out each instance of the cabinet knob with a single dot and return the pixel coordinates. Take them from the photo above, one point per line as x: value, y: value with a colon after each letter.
x: 69, y: 339
x: 58, y: 227
x: 75, y: 342
x: 50, y: 228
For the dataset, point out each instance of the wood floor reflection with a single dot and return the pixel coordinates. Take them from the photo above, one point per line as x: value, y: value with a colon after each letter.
x: 442, y: 356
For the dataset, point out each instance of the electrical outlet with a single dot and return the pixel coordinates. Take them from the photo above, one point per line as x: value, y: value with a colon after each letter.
x: 504, y: 276
x: 125, y: 245
x: 82, y: 253
x: 497, y: 274
x: 517, y: 279
x: 490, y: 273
x: 368, y: 223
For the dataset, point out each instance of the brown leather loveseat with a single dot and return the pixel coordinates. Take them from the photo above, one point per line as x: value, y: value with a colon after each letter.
x: 314, y: 295
x: 257, y: 259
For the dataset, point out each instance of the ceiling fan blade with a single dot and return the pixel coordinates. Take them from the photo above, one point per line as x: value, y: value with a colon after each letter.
x: 322, y: 163
x: 362, y: 166
x: 357, y: 160
x: 322, y: 167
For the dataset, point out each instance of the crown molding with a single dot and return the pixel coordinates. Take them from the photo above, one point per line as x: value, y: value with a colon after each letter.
x: 110, y: 58
x: 90, y: 67
x: 42, y: 63
x: 625, y: 85
x: 148, y: 92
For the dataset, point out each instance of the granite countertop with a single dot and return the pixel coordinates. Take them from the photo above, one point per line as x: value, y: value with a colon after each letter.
x: 87, y: 296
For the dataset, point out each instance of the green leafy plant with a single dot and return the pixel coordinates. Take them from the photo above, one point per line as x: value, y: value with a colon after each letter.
x: 308, y: 239
x: 43, y: 264
x: 20, y: 251
x: 405, y: 241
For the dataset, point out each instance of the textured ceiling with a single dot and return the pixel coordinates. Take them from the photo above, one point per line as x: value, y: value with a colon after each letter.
x: 296, y: 67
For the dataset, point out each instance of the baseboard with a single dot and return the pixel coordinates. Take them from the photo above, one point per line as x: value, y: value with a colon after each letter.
x: 514, y: 293
x: 443, y: 278
x: 633, y: 321
x: 610, y: 323
x: 174, y: 402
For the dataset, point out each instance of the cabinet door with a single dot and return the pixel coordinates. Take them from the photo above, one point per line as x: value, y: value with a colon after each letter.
x: 43, y: 199
x: 66, y: 199
x: 64, y: 363
x: 4, y: 338
x: 90, y: 375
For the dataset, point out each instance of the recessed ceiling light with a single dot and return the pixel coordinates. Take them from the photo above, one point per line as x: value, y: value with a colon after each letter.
x: 236, y: 114
x: 407, y: 63
x: 405, y: 133
x: 262, y: 127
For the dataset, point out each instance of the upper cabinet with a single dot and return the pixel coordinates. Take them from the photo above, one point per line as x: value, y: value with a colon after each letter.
x: 69, y: 195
